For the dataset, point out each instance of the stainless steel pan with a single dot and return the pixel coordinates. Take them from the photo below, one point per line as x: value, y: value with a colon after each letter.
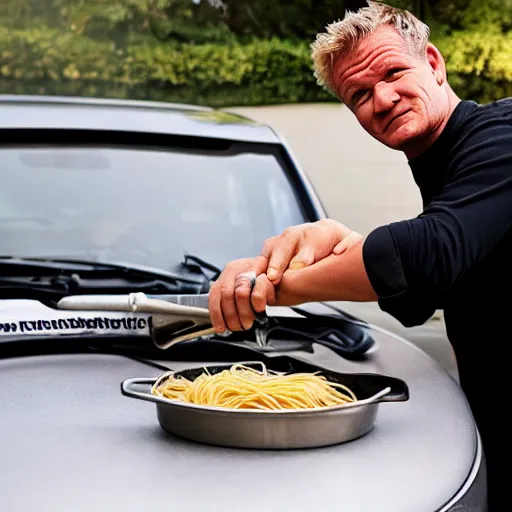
x: 272, y: 429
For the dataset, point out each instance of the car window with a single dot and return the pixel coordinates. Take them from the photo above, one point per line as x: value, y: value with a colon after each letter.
x: 140, y: 205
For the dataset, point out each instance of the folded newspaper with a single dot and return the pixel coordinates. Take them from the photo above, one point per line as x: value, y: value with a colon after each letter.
x: 178, y: 318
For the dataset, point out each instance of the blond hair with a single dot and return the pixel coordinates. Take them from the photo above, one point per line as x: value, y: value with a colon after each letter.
x: 343, y: 35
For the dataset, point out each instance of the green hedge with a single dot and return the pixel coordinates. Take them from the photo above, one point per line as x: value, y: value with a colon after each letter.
x: 478, y: 64
x: 260, y: 72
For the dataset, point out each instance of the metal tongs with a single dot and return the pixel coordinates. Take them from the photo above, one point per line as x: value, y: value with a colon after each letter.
x: 171, y: 323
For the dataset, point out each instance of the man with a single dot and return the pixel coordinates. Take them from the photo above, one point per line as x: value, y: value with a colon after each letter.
x: 456, y: 255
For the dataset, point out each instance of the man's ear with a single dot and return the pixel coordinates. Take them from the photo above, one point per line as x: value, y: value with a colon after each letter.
x: 436, y: 62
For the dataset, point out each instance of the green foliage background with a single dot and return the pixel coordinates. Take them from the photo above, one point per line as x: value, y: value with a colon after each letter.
x: 240, y: 52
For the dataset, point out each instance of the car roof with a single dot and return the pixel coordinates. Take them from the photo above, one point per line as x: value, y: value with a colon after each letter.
x: 77, y: 113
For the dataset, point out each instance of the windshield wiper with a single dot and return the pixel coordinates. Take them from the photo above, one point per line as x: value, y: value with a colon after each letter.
x: 198, y: 265
x: 69, y: 276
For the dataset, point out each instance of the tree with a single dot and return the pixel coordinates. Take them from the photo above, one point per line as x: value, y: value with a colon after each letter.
x: 113, y: 20
x: 280, y: 18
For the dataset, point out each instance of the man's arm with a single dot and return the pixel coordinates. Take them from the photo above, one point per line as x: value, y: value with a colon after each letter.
x: 337, y: 277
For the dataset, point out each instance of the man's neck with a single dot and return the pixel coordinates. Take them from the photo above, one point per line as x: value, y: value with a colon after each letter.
x: 416, y: 148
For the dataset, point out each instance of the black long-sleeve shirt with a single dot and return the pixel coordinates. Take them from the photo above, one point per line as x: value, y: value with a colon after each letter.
x: 457, y: 254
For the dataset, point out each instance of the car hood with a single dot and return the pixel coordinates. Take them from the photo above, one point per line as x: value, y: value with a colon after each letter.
x: 71, y: 441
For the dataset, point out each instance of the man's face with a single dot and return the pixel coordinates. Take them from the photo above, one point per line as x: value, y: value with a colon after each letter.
x: 397, y: 97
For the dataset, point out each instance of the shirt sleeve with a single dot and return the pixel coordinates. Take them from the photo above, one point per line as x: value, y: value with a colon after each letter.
x: 413, y: 263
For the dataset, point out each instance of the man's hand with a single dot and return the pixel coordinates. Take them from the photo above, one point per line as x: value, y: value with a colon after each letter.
x: 230, y: 301
x: 302, y: 245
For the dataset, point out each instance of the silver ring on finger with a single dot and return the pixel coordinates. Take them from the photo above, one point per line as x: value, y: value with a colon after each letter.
x: 249, y: 276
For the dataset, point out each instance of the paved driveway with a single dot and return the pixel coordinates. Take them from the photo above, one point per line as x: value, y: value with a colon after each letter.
x: 361, y: 183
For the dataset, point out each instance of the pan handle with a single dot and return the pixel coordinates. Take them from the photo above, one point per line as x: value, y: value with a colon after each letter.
x: 397, y: 395
x: 128, y: 388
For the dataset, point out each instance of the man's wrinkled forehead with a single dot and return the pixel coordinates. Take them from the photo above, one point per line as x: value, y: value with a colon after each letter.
x: 368, y: 56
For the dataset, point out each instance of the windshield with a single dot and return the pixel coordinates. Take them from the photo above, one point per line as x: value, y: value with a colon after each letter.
x: 141, y: 206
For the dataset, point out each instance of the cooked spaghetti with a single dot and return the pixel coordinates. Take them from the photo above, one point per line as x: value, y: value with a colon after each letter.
x: 241, y: 387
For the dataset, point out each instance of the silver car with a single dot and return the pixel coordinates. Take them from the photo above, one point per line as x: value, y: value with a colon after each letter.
x: 104, y: 199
